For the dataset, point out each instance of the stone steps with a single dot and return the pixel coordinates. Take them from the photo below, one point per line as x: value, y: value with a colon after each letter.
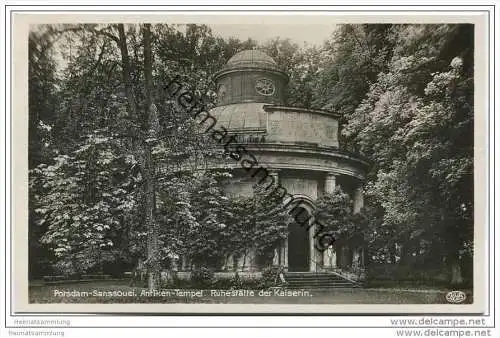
x: 317, y: 280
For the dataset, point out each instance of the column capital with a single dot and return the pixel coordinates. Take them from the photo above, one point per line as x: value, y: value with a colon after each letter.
x: 359, y: 189
x: 330, y: 174
x: 273, y: 171
x: 274, y: 174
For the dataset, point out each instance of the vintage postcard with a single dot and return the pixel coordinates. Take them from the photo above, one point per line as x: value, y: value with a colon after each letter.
x: 249, y: 163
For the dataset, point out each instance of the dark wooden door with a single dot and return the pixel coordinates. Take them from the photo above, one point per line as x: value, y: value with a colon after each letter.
x: 298, y: 248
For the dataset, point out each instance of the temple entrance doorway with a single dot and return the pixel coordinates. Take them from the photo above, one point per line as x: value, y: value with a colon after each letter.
x: 298, y: 247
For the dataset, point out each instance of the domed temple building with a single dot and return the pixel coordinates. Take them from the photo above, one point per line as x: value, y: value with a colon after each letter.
x: 299, y: 148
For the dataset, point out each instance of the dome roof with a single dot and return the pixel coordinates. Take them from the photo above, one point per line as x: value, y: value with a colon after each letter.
x: 250, y: 61
x: 251, y: 58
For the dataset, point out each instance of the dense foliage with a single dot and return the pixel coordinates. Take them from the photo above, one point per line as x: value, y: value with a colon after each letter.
x: 413, y: 117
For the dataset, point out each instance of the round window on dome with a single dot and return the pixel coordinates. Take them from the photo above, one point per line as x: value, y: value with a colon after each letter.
x: 265, y: 87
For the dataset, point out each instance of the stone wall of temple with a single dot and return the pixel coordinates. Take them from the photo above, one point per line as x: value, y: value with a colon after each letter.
x: 300, y: 186
x: 301, y: 126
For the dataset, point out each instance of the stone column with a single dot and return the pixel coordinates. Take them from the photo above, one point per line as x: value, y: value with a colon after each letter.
x: 355, y: 259
x: 282, y: 252
x: 285, y: 255
x: 230, y: 263
x: 274, y: 174
x: 283, y: 248
x: 358, y: 198
x: 313, y: 253
x: 330, y: 182
x: 251, y: 260
x: 333, y: 259
x: 242, y: 259
x: 276, y: 255
x: 330, y: 258
x: 326, y: 258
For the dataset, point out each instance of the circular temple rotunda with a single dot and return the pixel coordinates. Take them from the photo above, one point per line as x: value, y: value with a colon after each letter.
x: 300, y: 149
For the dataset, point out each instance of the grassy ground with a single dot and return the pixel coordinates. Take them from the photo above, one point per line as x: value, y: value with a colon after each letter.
x: 54, y: 294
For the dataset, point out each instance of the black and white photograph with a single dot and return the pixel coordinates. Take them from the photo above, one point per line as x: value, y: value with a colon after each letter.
x: 213, y: 167
x: 194, y: 163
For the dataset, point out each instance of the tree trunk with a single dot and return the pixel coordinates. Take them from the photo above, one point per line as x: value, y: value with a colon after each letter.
x: 149, y: 177
x: 127, y: 82
x: 152, y: 229
x: 453, y: 246
x: 456, y: 277
x: 456, y: 273
x: 145, y: 162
